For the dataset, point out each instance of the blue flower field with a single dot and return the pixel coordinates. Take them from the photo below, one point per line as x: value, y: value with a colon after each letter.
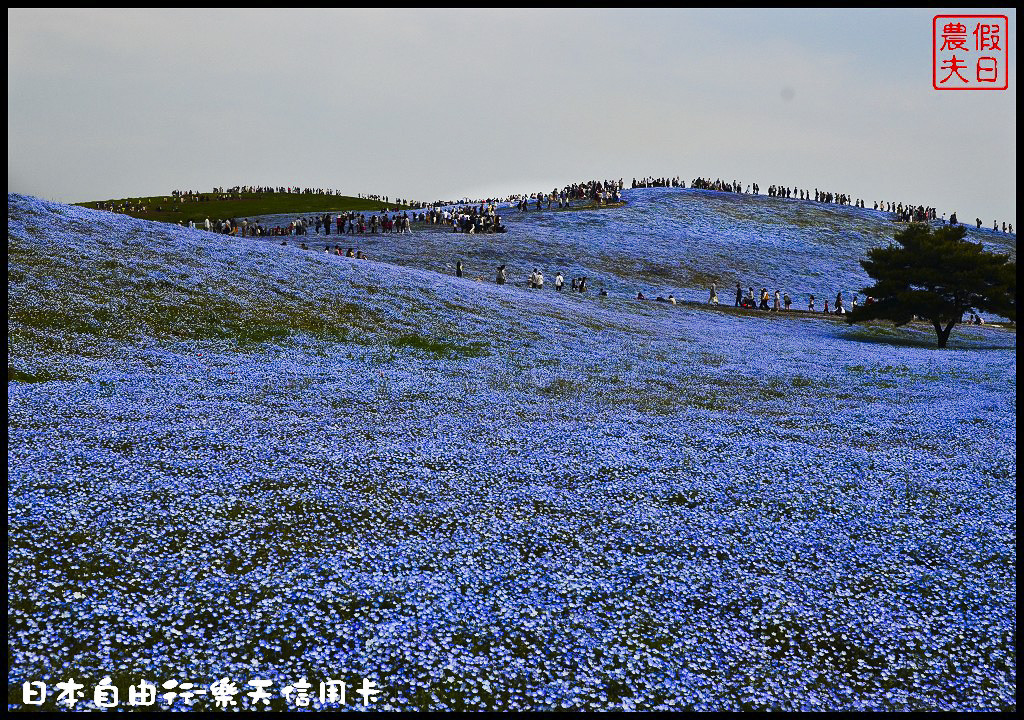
x: 230, y: 458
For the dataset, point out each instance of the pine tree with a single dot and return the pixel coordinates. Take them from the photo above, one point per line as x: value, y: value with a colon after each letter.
x: 937, y: 276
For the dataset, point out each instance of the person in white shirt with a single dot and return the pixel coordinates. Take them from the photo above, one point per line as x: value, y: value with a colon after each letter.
x: 539, y: 279
x: 558, y: 282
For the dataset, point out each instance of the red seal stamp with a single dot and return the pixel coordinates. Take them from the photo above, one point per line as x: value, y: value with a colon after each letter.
x: 970, y: 52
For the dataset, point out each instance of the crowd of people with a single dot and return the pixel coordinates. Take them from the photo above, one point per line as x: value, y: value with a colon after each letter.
x: 471, y: 219
x: 782, y: 302
x: 904, y: 213
x: 350, y: 223
x: 125, y: 206
x: 535, y: 280
x: 776, y: 191
x: 719, y: 185
x: 910, y: 214
x: 597, y: 192
x: 240, y: 190
x: 650, y: 182
x: 351, y: 252
x: 484, y: 219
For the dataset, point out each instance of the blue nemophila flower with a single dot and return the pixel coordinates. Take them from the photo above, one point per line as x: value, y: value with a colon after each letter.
x: 487, y: 498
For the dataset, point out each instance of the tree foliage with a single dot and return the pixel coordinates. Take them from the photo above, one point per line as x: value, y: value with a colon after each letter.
x: 938, y: 276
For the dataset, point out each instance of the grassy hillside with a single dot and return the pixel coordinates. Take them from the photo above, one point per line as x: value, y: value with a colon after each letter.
x: 232, y: 458
x: 215, y: 206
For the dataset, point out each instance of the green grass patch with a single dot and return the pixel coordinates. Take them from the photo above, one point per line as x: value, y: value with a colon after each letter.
x: 16, y: 375
x: 197, y: 317
x: 560, y: 387
x: 704, y: 279
x: 713, y: 359
x: 166, y: 208
x: 664, y: 271
x: 439, y: 347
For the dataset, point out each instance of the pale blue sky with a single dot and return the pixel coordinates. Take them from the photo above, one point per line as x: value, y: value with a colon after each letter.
x: 441, y: 104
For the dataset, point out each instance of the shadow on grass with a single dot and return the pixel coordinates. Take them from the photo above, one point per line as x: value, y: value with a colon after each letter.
x: 912, y: 338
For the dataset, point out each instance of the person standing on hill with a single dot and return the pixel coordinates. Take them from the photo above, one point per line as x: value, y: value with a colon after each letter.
x: 501, y: 276
x: 775, y: 302
x: 713, y: 298
x: 558, y: 282
x: 739, y: 295
x: 458, y: 269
